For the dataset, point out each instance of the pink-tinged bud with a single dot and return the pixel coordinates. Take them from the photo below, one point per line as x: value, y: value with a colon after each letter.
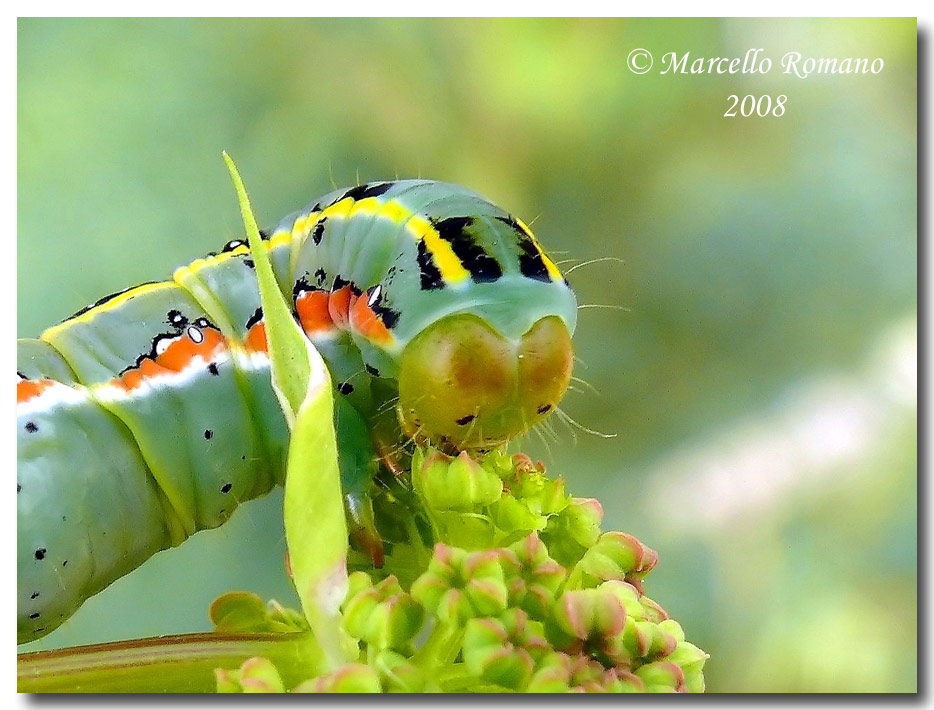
x: 691, y: 659
x: 552, y: 679
x: 637, y: 639
x: 382, y: 615
x: 620, y: 681
x: 593, y: 619
x: 459, y: 585
x: 524, y: 465
x: 460, y: 484
x: 662, y: 644
x: 535, y: 579
x: 528, y: 483
x: 652, y: 611
x: 503, y: 650
x: 352, y: 678
x: 255, y: 675
x: 627, y: 595
x: 586, y: 674
x: 617, y: 556
x: 662, y: 677
x: 553, y: 497
x: 259, y: 675
x: 398, y: 674
x: 645, y: 640
x: 227, y: 681
x: 672, y: 627
x: 574, y: 530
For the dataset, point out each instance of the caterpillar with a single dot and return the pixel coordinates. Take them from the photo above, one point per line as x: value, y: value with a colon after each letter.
x: 149, y: 415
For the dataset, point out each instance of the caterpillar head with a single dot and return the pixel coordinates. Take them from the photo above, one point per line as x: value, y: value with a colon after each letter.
x: 464, y: 384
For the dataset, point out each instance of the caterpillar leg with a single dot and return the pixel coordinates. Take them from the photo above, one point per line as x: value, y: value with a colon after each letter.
x: 358, y: 465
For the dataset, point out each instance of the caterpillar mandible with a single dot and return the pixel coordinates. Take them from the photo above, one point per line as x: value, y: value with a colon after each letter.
x: 149, y: 415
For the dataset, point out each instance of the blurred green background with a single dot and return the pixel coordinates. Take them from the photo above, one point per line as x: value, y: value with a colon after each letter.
x: 760, y: 377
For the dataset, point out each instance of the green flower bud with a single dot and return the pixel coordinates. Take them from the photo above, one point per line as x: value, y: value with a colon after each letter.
x: 227, y: 681
x: 571, y: 532
x: 628, y: 596
x: 459, y: 484
x: 259, y: 675
x: 468, y: 530
x: 503, y: 650
x: 644, y: 639
x: 382, y: 615
x: 560, y: 673
x: 528, y: 483
x: 672, y: 627
x: 255, y: 675
x: 662, y: 644
x: 637, y: 638
x: 460, y: 585
x: 691, y: 659
x: 618, y: 556
x: 589, y: 620
x: 352, y: 678
x: 620, y: 681
x: 357, y: 583
x: 662, y: 677
x: 398, y: 674
x: 551, y: 679
x: 511, y: 515
x: 587, y: 675
x: 534, y: 578
x: 245, y: 612
x: 500, y: 463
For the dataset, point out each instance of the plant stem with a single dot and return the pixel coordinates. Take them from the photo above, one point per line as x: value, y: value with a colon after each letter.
x: 167, y: 664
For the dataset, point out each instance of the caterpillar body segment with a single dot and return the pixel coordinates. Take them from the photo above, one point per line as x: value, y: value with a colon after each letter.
x: 150, y: 415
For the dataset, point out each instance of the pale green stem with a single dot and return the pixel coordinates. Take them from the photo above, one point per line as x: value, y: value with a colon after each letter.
x: 168, y: 664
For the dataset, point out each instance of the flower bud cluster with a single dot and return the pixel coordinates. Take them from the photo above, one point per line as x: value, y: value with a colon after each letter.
x: 521, y: 592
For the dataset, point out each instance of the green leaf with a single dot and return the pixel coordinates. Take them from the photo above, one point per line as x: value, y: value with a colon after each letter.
x: 315, y: 526
x: 292, y: 355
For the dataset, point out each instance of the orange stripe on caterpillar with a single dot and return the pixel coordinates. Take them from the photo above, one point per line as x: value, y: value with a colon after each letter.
x: 203, y: 343
x: 365, y: 321
x: 314, y: 312
x: 28, y: 389
x: 339, y: 304
x: 256, y: 338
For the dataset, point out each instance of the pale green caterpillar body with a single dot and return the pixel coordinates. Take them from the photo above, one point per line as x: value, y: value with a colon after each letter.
x: 150, y: 415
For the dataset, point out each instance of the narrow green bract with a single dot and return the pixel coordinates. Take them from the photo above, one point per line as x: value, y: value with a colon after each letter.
x: 315, y: 527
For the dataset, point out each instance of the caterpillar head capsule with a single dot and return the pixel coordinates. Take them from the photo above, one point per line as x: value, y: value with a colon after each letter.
x: 463, y: 384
